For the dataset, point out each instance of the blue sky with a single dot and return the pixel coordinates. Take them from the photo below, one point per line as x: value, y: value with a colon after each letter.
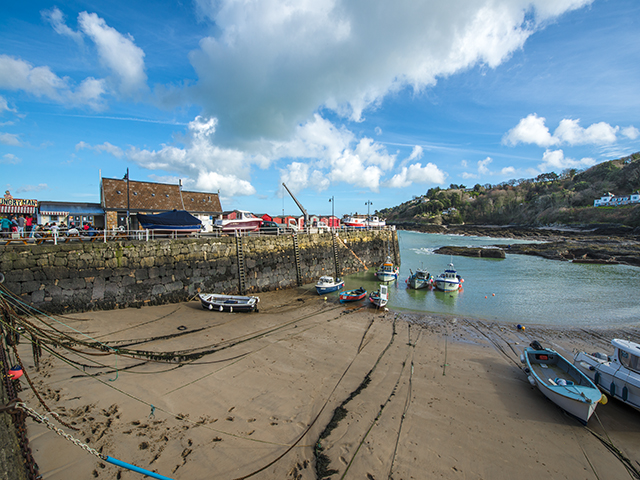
x: 357, y: 100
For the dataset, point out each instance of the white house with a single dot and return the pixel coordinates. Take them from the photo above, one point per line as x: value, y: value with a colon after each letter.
x: 611, y: 200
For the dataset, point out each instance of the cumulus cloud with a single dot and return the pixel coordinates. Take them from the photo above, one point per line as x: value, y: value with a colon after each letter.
x: 17, y: 74
x: 554, y: 160
x: 118, y: 53
x: 272, y: 64
x: 416, y: 173
x: 4, y: 106
x: 105, y: 147
x: 533, y: 130
x: 483, y: 166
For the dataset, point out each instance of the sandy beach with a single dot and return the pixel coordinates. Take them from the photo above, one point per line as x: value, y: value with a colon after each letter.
x: 308, y: 388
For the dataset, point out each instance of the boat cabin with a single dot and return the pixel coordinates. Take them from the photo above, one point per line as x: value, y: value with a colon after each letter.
x: 628, y: 354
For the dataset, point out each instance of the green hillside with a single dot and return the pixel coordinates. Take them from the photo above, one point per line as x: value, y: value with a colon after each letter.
x: 547, y: 199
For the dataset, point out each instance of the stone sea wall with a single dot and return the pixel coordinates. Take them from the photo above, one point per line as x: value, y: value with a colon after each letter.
x: 84, y: 276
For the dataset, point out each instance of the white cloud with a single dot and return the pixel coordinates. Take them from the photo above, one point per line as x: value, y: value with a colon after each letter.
x: 467, y: 175
x: 105, y: 147
x: 378, y: 131
x: 32, y: 188
x: 118, y: 53
x: 416, y: 173
x: 416, y: 153
x: 16, y: 74
x: 11, y: 159
x: 56, y: 18
x: 4, y: 106
x: 530, y: 130
x: 483, y: 166
x: 508, y: 171
x: 10, y: 139
x: 272, y: 64
x: 554, y: 160
x: 630, y: 132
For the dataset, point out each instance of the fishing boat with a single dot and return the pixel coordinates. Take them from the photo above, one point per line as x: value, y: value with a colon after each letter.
x: 174, y: 221
x: 449, y: 280
x: 243, y: 221
x: 362, y: 221
x: 380, y: 297
x: 387, y: 271
x: 352, y: 295
x: 420, y: 279
x: 617, y: 374
x: 229, y: 303
x: 560, y: 381
x: 327, y: 284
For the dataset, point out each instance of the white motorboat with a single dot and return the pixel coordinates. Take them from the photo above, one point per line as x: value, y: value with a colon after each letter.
x: 244, y: 221
x: 420, y: 279
x: 617, y: 374
x: 449, y: 280
x: 327, y: 284
x: 380, y: 297
x: 560, y: 381
x: 229, y: 303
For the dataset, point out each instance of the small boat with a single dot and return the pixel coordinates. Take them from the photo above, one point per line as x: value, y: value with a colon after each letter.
x: 327, y: 284
x: 174, y: 221
x: 362, y: 221
x: 560, y: 381
x: 387, y: 272
x: 244, y: 222
x: 617, y: 374
x: 420, y: 279
x: 353, y: 295
x: 380, y: 297
x: 229, y: 303
x: 449, y: 280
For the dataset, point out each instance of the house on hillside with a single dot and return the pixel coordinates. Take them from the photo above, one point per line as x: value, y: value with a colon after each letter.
x: 121, y: 199
x: 611, y: 200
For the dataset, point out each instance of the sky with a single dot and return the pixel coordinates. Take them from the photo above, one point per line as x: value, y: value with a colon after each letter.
x: 356, y: 105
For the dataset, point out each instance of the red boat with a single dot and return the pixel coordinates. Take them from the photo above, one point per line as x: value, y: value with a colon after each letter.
x: 353, y: 295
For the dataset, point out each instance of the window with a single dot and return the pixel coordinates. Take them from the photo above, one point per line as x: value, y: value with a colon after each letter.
x: 118, y: 192
x: 630, y: 361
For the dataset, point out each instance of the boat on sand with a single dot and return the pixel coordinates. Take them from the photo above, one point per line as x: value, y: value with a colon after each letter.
x: 327, y: 284
x: 560, y: 381
x: 380, y: 297
x: 229, y: 303
x: 353, y: 295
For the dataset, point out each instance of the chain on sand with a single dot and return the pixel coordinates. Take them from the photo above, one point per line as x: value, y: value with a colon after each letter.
x: 46, y: 422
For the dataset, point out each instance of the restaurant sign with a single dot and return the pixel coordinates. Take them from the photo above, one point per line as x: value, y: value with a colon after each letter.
x: 18, y: 205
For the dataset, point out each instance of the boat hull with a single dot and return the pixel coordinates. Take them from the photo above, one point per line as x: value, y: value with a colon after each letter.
x: 447, y: 286
x: 352, y: 295
x: 328, y: 285
x: 578, y: 396
x: 619, y: 383
x: 228, y: 303
x: 227, y: 226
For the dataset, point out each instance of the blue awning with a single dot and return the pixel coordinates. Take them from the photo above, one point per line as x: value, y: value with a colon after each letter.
x: 61, y: 209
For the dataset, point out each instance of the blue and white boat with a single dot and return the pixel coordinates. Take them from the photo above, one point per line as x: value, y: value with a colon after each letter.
x: 617, y: 374
x: 420, y: 279
x: 449, y: 280
x: 327, y: 284
x: 387, y: 271
x: 560, y: 381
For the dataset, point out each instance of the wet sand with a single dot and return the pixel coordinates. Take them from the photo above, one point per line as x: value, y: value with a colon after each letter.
x: 310, y: 389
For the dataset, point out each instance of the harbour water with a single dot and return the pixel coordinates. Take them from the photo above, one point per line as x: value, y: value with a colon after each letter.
x: 519, y: 289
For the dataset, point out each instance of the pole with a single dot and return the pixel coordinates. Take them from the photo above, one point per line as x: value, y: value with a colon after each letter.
x: 128, y: 205
x: 333, y: 203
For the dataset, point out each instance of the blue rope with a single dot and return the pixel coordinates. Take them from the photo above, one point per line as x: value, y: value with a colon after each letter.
x: 133, y: 468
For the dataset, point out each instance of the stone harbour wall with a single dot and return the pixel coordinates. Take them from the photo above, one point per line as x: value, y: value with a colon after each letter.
x: 82, y: 276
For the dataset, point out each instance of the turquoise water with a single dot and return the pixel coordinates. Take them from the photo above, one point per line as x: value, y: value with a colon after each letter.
x: 519, y: 289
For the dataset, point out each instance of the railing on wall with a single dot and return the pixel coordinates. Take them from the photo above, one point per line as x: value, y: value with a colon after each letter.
x: 103, y: 236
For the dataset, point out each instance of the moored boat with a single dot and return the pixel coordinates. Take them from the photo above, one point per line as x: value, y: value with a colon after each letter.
x: 327, y: 284
x: 380, y: 297
x: 229, y: 303
x: 560, y: 381
x: 174, y: 221
x: 449, y: 280
x: 420, y: 279
x: 352, y: 295
x: 387, y: 271
x: 617, y: 374
x: 244, y: 221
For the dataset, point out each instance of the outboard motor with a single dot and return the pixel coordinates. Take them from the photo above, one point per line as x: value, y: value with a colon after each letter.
x: 536, y: 345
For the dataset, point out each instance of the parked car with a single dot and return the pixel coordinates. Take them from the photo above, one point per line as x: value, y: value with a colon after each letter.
x: 270, y: 228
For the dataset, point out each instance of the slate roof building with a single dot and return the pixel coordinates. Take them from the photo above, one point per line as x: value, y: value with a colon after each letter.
x: 122, y: 198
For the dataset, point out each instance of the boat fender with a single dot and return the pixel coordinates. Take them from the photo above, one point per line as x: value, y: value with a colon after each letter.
x: 625, y: 393
x: 596, y: 378
x: 612, y: 389
x: 522, y: 359
x: 15, y: 372
x: 603, y: 400
x: 210, y: 307
x: 220, y: 308
x: 532, y: 380
x: 231, y: 309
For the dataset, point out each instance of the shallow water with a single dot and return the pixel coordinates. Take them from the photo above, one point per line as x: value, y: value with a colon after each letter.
x: 519, y: 289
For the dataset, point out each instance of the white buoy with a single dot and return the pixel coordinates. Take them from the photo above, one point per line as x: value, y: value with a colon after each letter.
x: 522, y: 358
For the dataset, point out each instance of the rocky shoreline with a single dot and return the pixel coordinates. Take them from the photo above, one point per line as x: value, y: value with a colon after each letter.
x: 594, y: 244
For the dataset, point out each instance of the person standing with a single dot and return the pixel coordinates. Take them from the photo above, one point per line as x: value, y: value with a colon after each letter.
x: 21, y: 224
x: 5, y: 225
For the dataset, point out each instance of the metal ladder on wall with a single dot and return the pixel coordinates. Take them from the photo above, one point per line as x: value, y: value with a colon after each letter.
x: 296, y: 251
x: 335, y: 256
x: 240, y: 255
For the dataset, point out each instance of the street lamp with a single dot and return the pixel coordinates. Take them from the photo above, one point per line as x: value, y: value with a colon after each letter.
x: 333, y: 203
x: 368, y: 203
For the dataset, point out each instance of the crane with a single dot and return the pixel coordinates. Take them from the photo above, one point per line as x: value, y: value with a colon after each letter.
x: 304, y: 212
